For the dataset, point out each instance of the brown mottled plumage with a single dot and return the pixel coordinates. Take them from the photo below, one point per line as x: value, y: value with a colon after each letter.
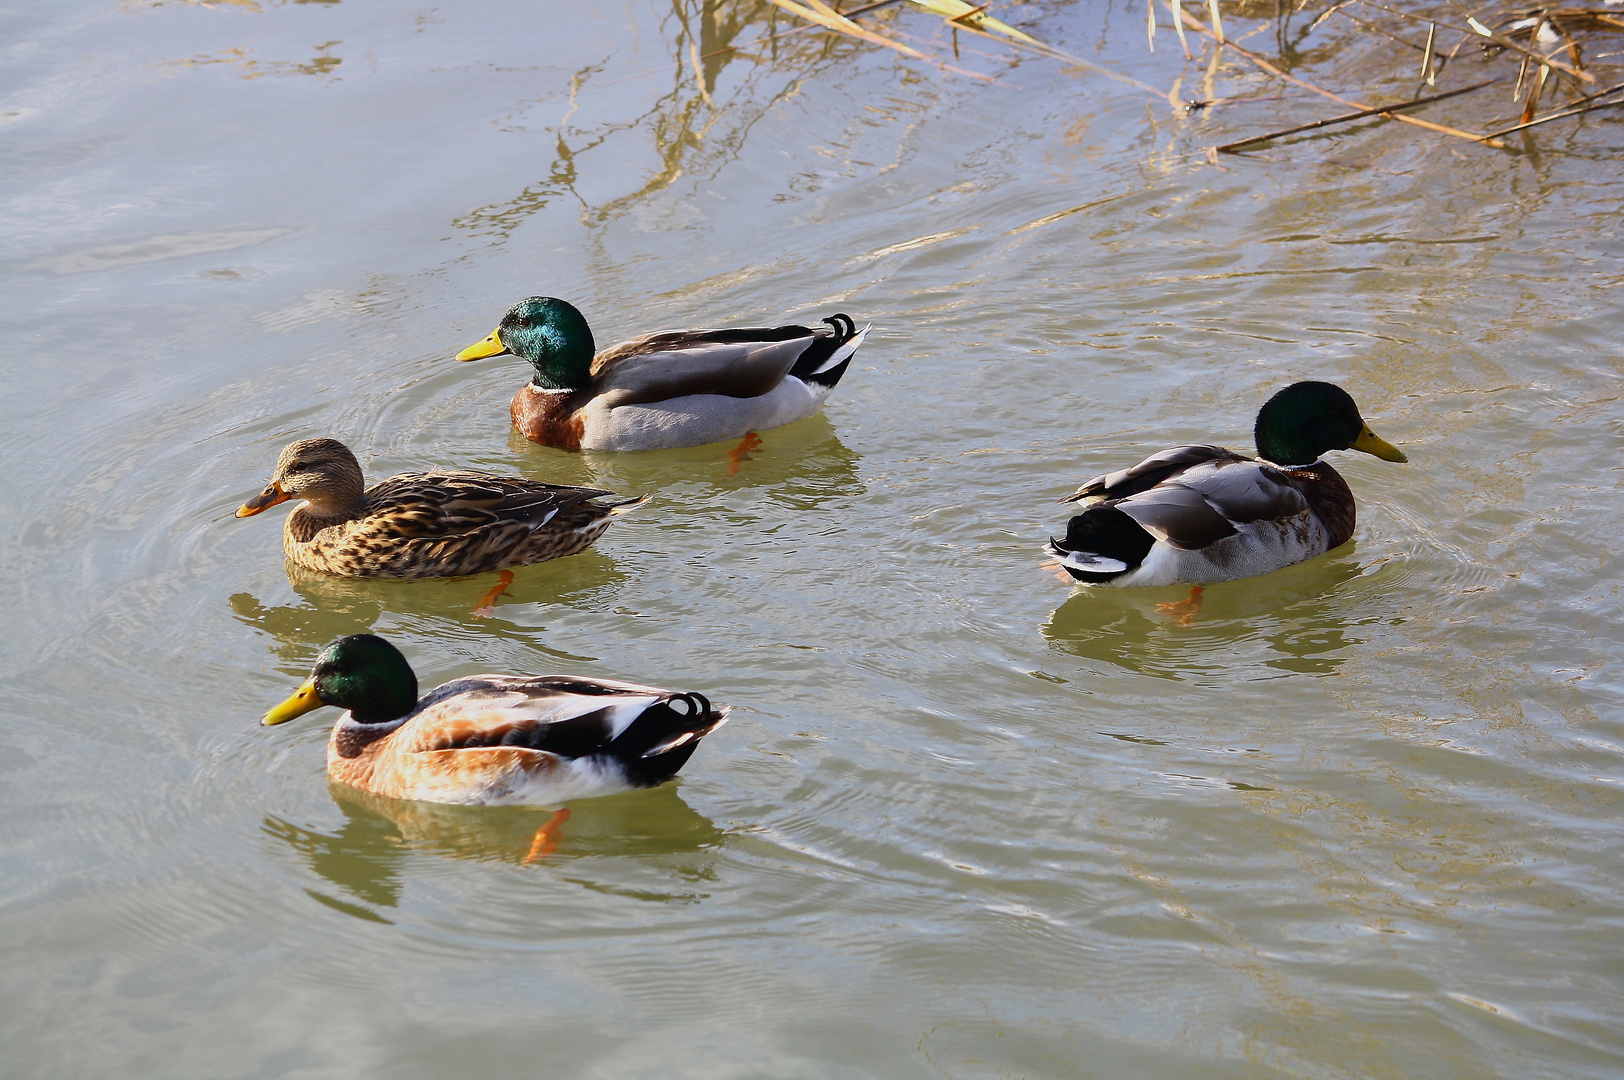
x: 438, y: 524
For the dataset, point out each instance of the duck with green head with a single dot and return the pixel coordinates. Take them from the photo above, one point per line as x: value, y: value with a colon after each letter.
x: 493, y: 740
x: 1203, y: 513
x: 677, y: 388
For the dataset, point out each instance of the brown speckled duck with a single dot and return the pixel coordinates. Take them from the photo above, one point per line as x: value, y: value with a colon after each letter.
x: 436, y: 524
x: 678, y: 388
x: 494, y: 740
x: 1203, y: 513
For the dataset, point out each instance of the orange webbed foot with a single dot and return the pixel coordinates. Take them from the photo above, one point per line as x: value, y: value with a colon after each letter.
x: 741, y: 453
x: 487, y: 603
x: 1184, y: 610
x: 1059, y: 572
x: 547, y: 837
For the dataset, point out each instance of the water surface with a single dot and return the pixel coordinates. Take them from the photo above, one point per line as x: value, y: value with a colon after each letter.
x: 1359, y: 818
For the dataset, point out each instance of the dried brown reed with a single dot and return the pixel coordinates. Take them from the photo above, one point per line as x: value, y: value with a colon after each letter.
x: 1539, y: 51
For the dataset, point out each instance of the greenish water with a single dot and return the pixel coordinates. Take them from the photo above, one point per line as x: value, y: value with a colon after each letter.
x: 1360, y: 818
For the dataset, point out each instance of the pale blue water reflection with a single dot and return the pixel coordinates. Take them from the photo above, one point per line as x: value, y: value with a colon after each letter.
x: 1357, y: 819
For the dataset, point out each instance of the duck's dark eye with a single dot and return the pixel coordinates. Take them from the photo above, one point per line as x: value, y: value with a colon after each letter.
x: 523, y: 322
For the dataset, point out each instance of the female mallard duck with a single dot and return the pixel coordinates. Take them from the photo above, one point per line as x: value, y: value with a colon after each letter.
x: 679, y: 388
x: 494, y: 740
x: 1203, y: 513
x: 438, y: 524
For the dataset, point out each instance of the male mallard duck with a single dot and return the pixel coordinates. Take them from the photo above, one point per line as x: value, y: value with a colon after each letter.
x: 679, y: 388
x: 494, y: 740
x: 438, y: 524
x: 1203, y: 513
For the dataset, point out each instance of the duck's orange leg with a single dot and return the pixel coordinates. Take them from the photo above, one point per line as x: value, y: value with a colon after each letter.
x: 1186, y: 610
x: 546, y: 841
x: 1059, y: 572
x: 487, y: 603
x: 741, y: 453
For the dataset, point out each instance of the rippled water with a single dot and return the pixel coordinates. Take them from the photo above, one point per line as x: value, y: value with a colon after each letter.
x: 1359, y: 818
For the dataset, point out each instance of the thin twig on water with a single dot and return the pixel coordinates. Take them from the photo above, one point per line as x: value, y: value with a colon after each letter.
x: 1565, y: 112
x: 1481, y: 33
x: 1195, y: 24
x: 1382, y: 110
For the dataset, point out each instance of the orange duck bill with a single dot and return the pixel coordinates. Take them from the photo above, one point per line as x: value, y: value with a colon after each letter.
x: 263, y: 501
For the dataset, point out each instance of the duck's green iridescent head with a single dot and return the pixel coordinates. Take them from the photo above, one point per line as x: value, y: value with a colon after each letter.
x: 1303, y: 421
x: 549, y: 333
x: 362, y: 673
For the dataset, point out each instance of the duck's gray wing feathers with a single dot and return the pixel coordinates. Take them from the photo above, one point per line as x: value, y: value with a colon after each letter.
x: 743, y: 363
x: 1208, y: 502
x: 1159, y: 467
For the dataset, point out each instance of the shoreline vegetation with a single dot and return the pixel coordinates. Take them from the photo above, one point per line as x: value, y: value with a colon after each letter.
x: 1553, y: 64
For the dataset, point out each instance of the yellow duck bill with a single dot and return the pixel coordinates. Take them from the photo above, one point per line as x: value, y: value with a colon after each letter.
x: 489, y: 346
x: 1371, y: 443
x: 305, y: 699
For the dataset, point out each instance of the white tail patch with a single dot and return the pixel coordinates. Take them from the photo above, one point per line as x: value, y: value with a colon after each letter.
x: 670, y: 744
x: 630, y: 504
x: 839, y: 356
x: 1094, y: 564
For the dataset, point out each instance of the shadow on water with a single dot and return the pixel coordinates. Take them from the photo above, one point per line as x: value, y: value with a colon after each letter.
x: 364, y: 858
x: 1291, y: 621
x: 336, y: 606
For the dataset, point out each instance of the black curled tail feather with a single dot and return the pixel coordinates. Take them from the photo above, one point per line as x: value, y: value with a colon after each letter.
x: 813, y: 365
x: 1106, y: 532
x: 844, y: 327
x: 661, y: 740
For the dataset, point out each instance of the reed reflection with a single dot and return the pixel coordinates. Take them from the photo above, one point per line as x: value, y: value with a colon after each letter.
x: 1293, y: 620
x: 693, y: 128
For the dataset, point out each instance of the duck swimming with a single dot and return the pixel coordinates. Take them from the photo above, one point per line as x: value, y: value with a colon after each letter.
x: 677, y: 388
x: 434, y: 524
x: 1202, y: 513
x: 494, y: 740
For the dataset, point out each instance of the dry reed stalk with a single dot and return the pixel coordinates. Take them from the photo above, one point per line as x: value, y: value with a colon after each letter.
x: 1563, y: 114
x: 961, y: 13
x: 799, y: 28
x: 1195, y: 24
x: 1477, y: 29
x: 1053, y: 53
x: 1178, y: 25
x: 826, y: 16
x: 1533, y: 95
x: 1385, y: 110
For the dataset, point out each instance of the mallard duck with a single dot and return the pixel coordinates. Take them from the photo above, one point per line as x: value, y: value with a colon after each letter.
x: 494, y: 740
x: 436, y: 524
x: 679, y: 388
x: 1203, y: 513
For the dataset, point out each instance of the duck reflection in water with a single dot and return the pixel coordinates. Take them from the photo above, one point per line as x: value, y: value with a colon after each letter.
x: 337, y: 607
x: 365, y: 858
x: 800, y: 466
x: 1293, y: 620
